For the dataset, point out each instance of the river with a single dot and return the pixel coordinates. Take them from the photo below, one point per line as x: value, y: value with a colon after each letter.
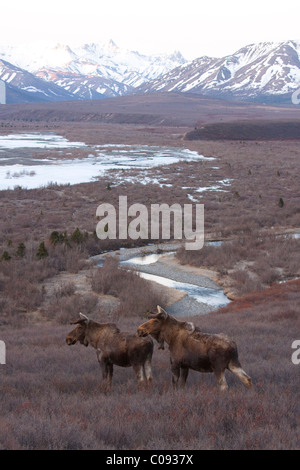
x: 202, y: 294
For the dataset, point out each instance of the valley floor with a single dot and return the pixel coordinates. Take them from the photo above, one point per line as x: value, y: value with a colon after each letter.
x: 50, y: 392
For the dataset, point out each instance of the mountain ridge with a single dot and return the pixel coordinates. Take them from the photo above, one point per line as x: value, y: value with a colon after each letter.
x: 254, y: 72
x: 105, y: 69
x: 22, y: 86
x: 262, y: 72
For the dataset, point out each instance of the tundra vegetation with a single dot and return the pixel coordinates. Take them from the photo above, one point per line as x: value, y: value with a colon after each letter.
x: 50, y: 397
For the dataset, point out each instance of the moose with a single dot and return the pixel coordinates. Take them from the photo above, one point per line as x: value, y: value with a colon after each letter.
x: 192, y: 349
x: 114, y: 347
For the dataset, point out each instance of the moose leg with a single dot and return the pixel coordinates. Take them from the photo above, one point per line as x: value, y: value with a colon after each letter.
x: 148, y: 370
x: 139, y: 372
x: 220, y: 376
x: 184, y: 372
x: 175, y: 368
x: 107, y: 371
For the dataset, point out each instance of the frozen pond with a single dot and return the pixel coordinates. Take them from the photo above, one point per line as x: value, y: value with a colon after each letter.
x: 20, y: 164
x: 36, y: 140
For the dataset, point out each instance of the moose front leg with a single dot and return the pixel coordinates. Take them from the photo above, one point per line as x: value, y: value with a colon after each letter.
x: 107, y: 371
x: 184, y: 372
x: 175, y: 369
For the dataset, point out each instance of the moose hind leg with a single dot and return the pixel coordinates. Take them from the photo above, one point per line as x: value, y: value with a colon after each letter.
x: 148, y: 370
x: 220, y: 376
x: 139, y: 372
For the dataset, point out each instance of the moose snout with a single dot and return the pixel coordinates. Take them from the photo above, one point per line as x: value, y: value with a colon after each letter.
x: 70, y: 341
x: 141, y: 332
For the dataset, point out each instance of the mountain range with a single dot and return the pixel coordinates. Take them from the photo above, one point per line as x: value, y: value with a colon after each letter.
x: 263, y: 72
x: 258, y: 72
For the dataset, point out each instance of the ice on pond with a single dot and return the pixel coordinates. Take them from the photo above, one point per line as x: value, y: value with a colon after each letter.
x: 36, y: 140
x: 31, y: 172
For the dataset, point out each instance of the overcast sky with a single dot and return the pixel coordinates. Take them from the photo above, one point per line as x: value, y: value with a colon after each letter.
x: 194, y: 27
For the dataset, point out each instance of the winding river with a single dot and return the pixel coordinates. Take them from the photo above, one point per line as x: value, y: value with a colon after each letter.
x: 213, y: 297
x: 202, y: 294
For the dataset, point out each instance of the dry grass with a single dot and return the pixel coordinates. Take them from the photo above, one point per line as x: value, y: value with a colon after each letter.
x: 50, y: 396
x: 254, y: 260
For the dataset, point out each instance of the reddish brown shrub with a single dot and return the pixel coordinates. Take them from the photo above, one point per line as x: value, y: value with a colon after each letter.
x: 67, y: 307
x: 135, y: 294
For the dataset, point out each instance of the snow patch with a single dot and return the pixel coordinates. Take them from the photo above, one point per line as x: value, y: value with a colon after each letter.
x: 37, y: 172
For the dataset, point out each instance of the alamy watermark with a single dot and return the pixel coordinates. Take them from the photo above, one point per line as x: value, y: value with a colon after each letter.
x: 296, y: 97
x: 146, y: 225
x: 296, y: 354
x: 2, y: 352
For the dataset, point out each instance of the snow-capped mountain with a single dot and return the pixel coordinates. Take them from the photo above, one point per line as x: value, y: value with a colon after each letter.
x: 41, y: 72
x: 255, y: 72
x: 86, y: 87
x: 22, y: 86
x: 91, y: 71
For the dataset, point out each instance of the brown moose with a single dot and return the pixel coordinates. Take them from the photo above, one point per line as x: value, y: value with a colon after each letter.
x: 114, y: 348
x: 192, y: 349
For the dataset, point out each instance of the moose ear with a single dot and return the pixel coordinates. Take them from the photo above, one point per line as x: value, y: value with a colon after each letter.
x: 190, y: 327
x: 84, y: 317
x: 162, y: 312
x: 76, y: 322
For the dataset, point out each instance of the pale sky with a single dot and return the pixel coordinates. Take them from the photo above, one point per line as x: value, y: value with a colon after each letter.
x: 194, y: 27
